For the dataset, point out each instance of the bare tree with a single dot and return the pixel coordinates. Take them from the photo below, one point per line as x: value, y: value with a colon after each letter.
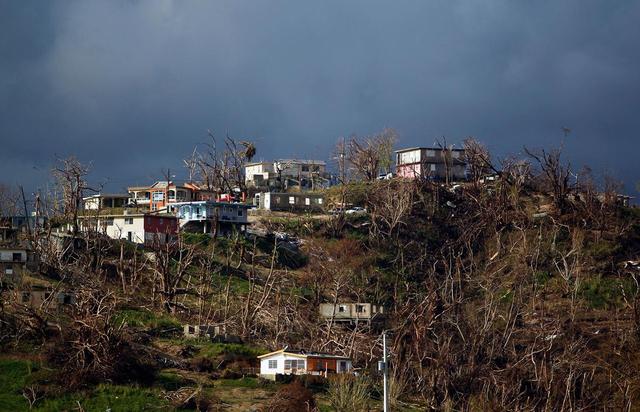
x: 555, y: 174
x: 9, y: 200
x: 222, y: 168
x: 478, y: 159
x: 371, y: 154
x: 71, y: 176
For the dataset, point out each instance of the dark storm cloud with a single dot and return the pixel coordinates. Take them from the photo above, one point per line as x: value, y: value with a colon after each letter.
x: 132, y: 86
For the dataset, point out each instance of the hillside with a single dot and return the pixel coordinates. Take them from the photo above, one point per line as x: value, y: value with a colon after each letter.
x: 498, y: 295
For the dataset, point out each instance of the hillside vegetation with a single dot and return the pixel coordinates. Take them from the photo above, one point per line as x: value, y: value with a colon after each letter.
x: 512, y: 294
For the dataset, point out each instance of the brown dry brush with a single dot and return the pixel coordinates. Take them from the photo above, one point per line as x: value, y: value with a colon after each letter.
x: 93, y: 348
x: 471, y: 326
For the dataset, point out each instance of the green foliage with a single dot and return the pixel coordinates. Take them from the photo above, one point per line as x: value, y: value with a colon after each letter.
x: 601, y: 293
x: 604, y: 250
x: 13, y: 377
x: 196, y: 238
x: 237, y: 285
x: 209, y: 349
x: 171, y: 381
x: 145, y: 318
x: 18, y: 374
x: 542, y: 277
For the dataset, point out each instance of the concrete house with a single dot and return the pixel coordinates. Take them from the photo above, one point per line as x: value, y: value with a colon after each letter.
x: 15, y: 261
x: 162, y: 193
x: 290, y: 202
x: 222, y: 218
x: 104, y: 201
x: 300, y: 362
x: 39, y: 296
x: 258, y: 174
x: 352, y: 313
x: 201, y: 331
x: 142, y: 228
x: 431, y: 163
x: 284, y: 173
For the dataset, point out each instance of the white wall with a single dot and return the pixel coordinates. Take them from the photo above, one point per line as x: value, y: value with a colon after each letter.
x: 120, y: 229
x: 280, y: 358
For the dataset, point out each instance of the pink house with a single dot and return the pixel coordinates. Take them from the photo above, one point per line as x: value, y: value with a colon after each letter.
x: 432, y: 163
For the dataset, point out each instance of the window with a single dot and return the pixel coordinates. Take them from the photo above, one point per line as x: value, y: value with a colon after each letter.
x: 128, y: 220
x: 192, y: 330
x: 273, y: 364
x: 432, y: 167
x: 66, y: 299
x: 290, y: 364
x: 360, y: 309
x: 305, y: 168
x: 108, y: 221
x: 239, y: 212
x: 319, y: 201
x: 8, y: 271
x: 292, y: 200
x: 130, y: 236
x: 25, y: 297
x: 158, y: 196
x: 431, y: 153
x: 307, y: 201
x: 455, y: 154
x: 343, y: 365
x: 17, y: 257
x: 342, y: 308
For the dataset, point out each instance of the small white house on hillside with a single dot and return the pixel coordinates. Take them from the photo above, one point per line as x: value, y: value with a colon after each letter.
x: 300, y: 362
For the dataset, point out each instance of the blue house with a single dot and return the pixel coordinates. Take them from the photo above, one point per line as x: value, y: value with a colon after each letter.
x: 215, y: 218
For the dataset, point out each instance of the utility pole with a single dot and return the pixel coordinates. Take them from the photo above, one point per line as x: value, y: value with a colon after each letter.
x: 385, y: 371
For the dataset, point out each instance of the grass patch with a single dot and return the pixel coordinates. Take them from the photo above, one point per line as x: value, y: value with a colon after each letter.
x: 601, y: 293
x: 171, y: 381
x: 145, y: 318
x: 246, y: 382
x: 217, y: 349
x: 17, y: 374
x: 108, y: 397
x: 14, y: 375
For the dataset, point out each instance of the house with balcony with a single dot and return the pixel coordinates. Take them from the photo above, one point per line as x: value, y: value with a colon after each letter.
x: 162, y: 193
x: 300, y: 362
x: 352, y: 313
x: 284, y: 173
x: 431, y: 163
x: 215, y: 218
x: 105, y: 201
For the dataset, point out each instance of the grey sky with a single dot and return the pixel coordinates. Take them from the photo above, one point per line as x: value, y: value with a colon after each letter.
x: 133, y: 85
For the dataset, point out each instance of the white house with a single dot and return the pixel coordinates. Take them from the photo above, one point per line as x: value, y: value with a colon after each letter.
x: 103, y: 201
x: 291, y: 202
x: 300, y: 362
x: 258, y: 173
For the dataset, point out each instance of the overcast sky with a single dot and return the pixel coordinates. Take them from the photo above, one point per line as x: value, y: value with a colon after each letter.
x: 132, y: 86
